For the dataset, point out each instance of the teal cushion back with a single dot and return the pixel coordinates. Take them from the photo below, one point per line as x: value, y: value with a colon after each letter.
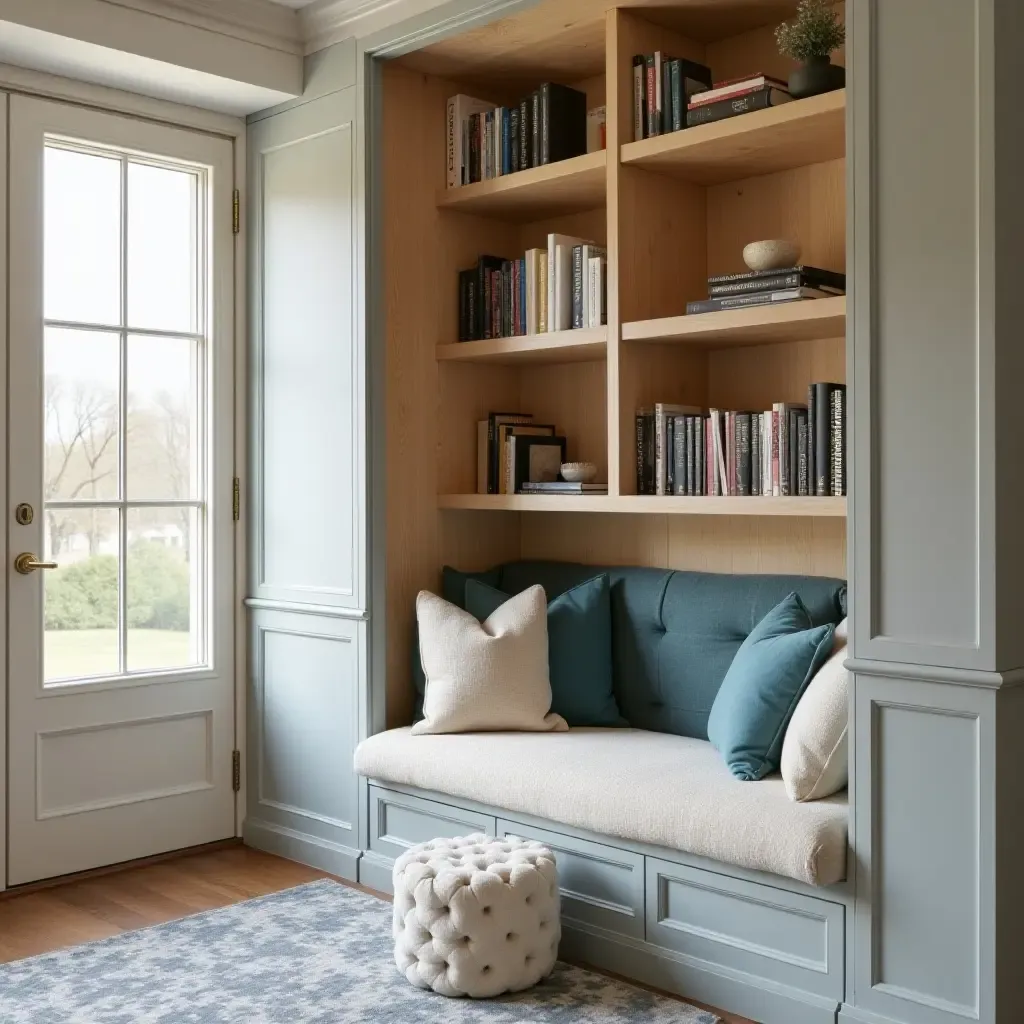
x: 675, y: 633
x: 760, y: 691
x: 579, y: 648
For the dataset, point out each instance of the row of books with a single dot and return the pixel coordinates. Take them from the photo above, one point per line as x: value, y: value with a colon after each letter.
x: 788, y: 450
x: 662, y: 87
x: 555, y: 289
x: 765, y: 287
x: 486, y: 141
x: 736, y: 96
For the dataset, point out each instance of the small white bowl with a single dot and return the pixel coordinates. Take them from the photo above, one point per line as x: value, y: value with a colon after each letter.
x: 578, y: 472
x: 771, y: 254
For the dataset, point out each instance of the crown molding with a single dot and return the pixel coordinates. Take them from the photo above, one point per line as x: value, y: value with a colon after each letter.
x: 254, y: 21
x: 325, y: 22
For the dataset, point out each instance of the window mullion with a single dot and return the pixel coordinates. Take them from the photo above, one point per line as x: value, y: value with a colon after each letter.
x: 122, y: 449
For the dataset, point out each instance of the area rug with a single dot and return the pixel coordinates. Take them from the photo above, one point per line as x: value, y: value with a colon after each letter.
x: 316, y: 954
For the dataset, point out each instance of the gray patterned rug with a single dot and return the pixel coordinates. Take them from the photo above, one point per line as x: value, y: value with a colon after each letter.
x: 317, y: 954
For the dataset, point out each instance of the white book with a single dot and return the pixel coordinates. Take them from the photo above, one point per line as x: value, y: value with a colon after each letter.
x: 559, y: 311
x: 457, y: 148
x: 589, y: 252
x: 662, y: 412
x: 721, y: 477
x: 599, y: 268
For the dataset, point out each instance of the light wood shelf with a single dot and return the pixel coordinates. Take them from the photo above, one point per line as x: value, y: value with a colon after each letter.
x: 755, y: 325
x: 585, y: 345
x: 567, y: 186
x: 802, y: 132
x: 632, y: 503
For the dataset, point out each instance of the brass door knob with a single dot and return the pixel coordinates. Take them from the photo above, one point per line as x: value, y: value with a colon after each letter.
x: 26, y: 562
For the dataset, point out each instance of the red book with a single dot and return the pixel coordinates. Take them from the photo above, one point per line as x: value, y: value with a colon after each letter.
x: 733, y: 87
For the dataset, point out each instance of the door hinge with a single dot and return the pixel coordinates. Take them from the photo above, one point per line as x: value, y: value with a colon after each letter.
x: 236, y: 770
x: 236, y: 499
x: 236, y: 203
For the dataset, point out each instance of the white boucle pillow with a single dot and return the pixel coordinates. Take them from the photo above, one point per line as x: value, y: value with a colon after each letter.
x: 814, y: 752
x: 486, y: 676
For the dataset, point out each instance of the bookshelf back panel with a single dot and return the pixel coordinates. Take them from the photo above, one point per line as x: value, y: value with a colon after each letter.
x: 747, y: 544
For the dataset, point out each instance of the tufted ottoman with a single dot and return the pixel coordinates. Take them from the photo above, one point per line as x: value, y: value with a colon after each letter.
x: 476, y: 916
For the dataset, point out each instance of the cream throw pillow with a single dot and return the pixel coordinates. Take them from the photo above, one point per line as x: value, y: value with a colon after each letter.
x: 814, y: 752
x: 486, y: 676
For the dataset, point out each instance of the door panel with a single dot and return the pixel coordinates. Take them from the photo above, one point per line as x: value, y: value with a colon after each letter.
x: 121, y: 390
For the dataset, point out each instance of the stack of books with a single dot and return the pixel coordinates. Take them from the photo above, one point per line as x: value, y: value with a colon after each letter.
x: 558, y: 288
x: 485, y: 140
x: 662, y: 88
x: 788, y: 450
x: 735, y: 96
x: 764, y: 287
x: 515, y: 455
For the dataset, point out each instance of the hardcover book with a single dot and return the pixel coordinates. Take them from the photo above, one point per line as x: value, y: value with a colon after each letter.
x: 709, y: 112
x: 563, y: 129
x: 536, y: 459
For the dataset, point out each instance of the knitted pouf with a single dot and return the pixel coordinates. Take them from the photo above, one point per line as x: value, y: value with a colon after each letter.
x: 476, y: 916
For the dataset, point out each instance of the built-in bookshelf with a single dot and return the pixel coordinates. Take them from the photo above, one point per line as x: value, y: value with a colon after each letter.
x: 671, y: 211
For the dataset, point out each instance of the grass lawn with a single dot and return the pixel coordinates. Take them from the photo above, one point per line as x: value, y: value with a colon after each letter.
x: 91, y: 652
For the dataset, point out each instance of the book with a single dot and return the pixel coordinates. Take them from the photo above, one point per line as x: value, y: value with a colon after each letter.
x: 481, y: 456
x: 718, y: 444
x: 577, y: 286
x: 507, y: 432
x: 482, y: 318
x: 779, y: 281
x: 563, y: 487
x: 525, y: 133
x: 838, y: 440
x: 662, y: 411
x: 536, y: 459
x: 677, y: 444
x: 457, y: 114
x: 811, y: 412
x: 691, y: 456
x: 515, y: 142
x: 665, y: 81
x: 596, y: 129
x: 766, y: 298
x: 588, y: 253
x: 801, y: 449
x: 755, y: 453
x: 743, y: 453
x: 735, y: 87
x: 563, y: 129
x: 721, y: 109
x: 532, y: 275
x: 535, y: 128
x: 542, y: 292
x: 822, y: 276
x: 559, y: 280
x: 495, y: 420
x: 466, y: 311
x: 652, y: 107
x: 639, y: 97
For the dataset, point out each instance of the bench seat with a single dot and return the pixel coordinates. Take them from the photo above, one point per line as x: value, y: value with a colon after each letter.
x: 649, y: 787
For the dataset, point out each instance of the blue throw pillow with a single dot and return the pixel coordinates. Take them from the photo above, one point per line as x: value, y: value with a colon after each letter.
x: 579, y: 648
x: 760, y: 691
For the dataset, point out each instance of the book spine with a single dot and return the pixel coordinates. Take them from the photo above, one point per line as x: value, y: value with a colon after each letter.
x: 838, y: 440
x: 464, y: 276
x: 730, y: 453
x: 496, y: 303
x: 761, y: 284
x: 743, y: 454
x: 524, y: 133
x: 793, y: 444
x: 659, y: 450
x: 545, y: 123
x: 814, y: 277
x: 811, y: 396
x: 641, y: 455
x: 779, y: 424
x: 698, y: 444
x: 670, y: 455
x: 535, y: 129
x: 801, y: 423
x: 515, y: 141
x: 453, y: 146
x: 649, y: 464
x: 666, y: 96
x: 677, y: 99
x: 522, y: 296
x: 542, y: 292
x: 822, y: 440
x: 708, y: 112
x: 485, y: 305
x: 577, y: 286
x: 639, y: 93
x: 755, y: 454
x: 474, y: 147
x: 650, y: 93
x: 691, y: 457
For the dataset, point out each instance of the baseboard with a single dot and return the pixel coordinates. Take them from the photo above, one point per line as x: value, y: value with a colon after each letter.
x: 854, y: 1015
x: 727, y: 989
x: 375, y: 872
x: 314, y: 851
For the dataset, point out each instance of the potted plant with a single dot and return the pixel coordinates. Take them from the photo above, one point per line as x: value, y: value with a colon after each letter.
x: 810, y: 39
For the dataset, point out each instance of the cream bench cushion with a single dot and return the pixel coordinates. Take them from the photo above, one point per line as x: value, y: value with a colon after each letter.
x: 649, y: 787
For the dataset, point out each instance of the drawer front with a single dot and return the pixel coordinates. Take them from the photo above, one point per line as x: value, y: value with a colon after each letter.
x: 600, y: 885
x: 398, y: 821
x: 783, y: 936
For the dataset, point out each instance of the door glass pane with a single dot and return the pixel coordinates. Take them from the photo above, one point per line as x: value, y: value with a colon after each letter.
x: 82, y: 237
x: 162, y: 271
x: 80, y: 441
x: 161, y: 417
x: 80, y: 603
x: 163, y: 606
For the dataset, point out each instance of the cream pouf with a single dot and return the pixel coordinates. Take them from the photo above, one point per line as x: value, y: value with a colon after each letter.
x: 476, y: 916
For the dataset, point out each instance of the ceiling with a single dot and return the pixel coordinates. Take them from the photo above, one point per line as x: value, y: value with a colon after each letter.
x: 292, y: 3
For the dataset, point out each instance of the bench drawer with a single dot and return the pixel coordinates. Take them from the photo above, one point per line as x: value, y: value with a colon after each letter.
x: 398, y: 821
x: 772, y: 933
x: 600, y: 885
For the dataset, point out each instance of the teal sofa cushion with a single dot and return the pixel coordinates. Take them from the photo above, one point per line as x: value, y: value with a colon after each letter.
x: 579, y: 648
x: 760, y: 691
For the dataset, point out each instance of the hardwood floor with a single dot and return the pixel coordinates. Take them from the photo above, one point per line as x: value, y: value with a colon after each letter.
x: 66, y: 913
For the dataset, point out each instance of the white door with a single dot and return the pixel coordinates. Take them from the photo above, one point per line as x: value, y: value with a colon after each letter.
x: 121, y: 708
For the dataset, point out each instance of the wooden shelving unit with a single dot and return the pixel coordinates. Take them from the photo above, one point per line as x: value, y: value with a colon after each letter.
x: 584, y: 345
x: 564, y: 187
x: 636, y: 504
x: 796, y: 134
x: 758, y: 325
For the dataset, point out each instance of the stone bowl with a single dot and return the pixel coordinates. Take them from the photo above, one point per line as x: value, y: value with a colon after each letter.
x: 578, y: 472
x: 771, y: 254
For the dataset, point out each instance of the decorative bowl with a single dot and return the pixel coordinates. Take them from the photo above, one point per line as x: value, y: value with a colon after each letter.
x: 771, y: 254
x: 578, y: 472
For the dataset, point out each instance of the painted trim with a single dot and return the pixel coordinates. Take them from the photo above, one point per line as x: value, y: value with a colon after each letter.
x: 937, y: 674
x: 333, y: 858
x: 323, y: 611
x: 3, y: 486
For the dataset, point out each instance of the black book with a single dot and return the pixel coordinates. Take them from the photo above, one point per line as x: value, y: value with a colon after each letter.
x: 793, y: 451
x: 577, y: 286
x: 686, y: 78
x: 758, y: 298
x: 743, y: 454
x: 670, y: 460
x: 645, y: 452
x: 838, y: 439
x: 755, y: 453
x: 525, y: 133
x: 822, y: 430
x: 801, y: 451
x: 639, y: 97
x: 515, y: 141
x: 677, y: 103
x: 691, y: 456
x: 721, y: 109
x: 651, y: 64
x: 777, y: 281
x: 485, y: 267
x: 535, y: 128
x: 641, y: 454
x: 815, y: 274
x: 678, y: 455
x: 563, y: 132
x: 465, y: 316
x: 811, y: 427
x: 666, y: 95
x: 537, y: 460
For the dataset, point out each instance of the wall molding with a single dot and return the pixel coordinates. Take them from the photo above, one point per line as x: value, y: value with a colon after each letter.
x: 937, y: 674
x: 323, y: 611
